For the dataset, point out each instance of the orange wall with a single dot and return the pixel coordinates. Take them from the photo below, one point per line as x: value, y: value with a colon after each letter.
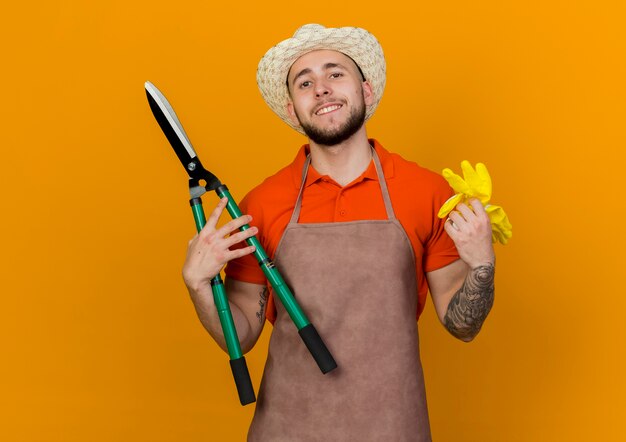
x: 99, y: 339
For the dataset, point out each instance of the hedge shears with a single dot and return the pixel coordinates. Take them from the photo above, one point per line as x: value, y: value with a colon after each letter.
x: 202, y: 181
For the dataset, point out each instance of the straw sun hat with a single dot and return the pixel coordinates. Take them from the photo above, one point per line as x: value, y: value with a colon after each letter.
x: 356, y: 43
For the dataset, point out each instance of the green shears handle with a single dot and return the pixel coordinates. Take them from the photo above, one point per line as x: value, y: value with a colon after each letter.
x: 237, y: 360
x: 307, y: 331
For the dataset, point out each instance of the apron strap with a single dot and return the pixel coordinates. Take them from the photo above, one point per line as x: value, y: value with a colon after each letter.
x: 295, y: 215
x: 383, y: 185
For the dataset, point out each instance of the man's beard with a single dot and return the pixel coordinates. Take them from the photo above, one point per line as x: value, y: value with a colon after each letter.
x: 332, y: 137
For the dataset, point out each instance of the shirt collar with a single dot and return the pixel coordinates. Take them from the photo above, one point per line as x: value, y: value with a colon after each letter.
x: 314, y: 176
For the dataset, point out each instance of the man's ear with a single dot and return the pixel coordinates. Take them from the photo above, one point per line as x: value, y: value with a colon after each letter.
x: 292, y: 114
x: 368, y: 95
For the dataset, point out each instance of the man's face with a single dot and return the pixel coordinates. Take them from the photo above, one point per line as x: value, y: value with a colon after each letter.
x: 328, y: 96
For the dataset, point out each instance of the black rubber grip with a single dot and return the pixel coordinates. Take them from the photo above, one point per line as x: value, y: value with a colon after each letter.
x: 317, y: 348
x: 242, y: 381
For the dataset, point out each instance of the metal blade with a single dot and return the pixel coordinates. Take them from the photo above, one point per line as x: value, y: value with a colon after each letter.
x: 167, y: 119
x: 173, y: 130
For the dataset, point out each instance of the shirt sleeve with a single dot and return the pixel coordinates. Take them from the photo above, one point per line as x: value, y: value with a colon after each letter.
x: 439, y: 249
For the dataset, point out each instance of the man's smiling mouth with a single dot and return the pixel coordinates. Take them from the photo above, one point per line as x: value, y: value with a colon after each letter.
x: 327, y: 109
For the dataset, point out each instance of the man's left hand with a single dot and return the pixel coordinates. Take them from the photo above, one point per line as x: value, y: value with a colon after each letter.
x: 470, y: 229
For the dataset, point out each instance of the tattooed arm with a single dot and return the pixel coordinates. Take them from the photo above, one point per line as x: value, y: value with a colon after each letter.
x: 463, y: 292
x: 247, y: 305
x: 260, y: 315
x: 470, y: 305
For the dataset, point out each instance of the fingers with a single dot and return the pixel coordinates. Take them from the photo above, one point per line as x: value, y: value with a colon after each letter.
x: 228, y: 235
x: 467, y: 213
x: 238, y: 253
x: 450, y: 227
x: 452, y: 230
x: 233, y: 225
x: 215, y: 215
x: 224, y: 237
x: 240, y: 236
x: 472, y: 209
x: 479, y: 209
x: 467, y: 217
x: 236, y: 238
x: 456, y: 220
x: 461, y: 217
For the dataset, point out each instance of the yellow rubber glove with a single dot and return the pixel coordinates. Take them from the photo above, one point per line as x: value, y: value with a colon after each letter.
x: 476, y: 184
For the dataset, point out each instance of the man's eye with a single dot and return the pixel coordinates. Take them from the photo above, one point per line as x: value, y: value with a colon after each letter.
x: 305, y: 84
x: 336, y: 75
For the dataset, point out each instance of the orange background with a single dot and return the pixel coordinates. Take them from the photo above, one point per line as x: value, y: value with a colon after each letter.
x: 99, y: 339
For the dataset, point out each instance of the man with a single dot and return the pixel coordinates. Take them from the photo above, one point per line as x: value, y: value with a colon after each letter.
x: 353, y: 230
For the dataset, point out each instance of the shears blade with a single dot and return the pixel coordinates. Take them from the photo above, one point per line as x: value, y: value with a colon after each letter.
x: 173, y: 130
x: 170, y: 124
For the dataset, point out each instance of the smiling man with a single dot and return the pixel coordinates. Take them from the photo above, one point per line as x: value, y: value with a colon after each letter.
x: 338, y: 118
x: 354, y: 231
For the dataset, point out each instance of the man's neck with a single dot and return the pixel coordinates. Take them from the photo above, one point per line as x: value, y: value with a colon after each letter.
x: 343, y: 162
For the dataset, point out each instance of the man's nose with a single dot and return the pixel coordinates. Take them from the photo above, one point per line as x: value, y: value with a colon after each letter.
x: 321, y: 88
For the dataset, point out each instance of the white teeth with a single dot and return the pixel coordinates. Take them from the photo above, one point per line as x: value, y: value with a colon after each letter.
x: 325, y: 110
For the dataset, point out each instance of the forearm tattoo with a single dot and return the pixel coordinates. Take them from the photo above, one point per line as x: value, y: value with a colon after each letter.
x: 262, y: 300
x: 469, y: 306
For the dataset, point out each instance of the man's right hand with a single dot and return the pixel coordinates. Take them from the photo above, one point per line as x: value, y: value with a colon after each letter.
x: 207, y: 254
x: 209, y: 251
